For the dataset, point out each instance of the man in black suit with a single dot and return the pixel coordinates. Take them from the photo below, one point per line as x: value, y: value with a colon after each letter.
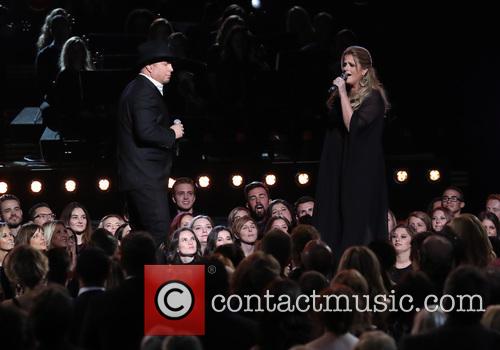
x: 146, y: 138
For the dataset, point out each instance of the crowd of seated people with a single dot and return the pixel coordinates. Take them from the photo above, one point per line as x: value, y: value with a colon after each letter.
x: 263, y: 245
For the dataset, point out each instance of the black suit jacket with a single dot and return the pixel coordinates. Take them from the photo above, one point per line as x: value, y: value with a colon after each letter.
x: 144, y: 138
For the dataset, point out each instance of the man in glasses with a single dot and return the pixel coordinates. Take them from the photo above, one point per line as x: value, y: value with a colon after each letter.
x: 453, y: 200
x: 41, y: 213
x: 11, y: 212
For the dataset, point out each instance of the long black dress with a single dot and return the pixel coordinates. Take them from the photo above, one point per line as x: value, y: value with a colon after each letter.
x: 351, y: 195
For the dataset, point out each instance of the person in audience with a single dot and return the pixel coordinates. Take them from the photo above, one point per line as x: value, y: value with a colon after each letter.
x: 219, y: 235
x: 160, y: 29
x: 6, y: 242
x: 122, y: 231
x: 491, y: 318
x: 280, y: 207
x: 40, y: 213
x: 51, y: 318
x: 376, y: 340
x: 419, y: 221
x: 304, y: 206
x: 362, y: 321
x: 278, y: 244
x: 462, y: 329
x: 184, y: 247
x: 92, y: 270
x: 279, y: 222
x: 46, y: 32
x: 26, y: 268
x: 490, y: 223
x: 245, y: 231
x: 6, y: 245
x: 32, y: 235
x: 336, y: 324
x: 426, y: 321
x: 436, y: 202
x: 111, y: 223
x: 184, y: 195
x: 182, y: 219
x: 300, y: 235
x: 56, y: 235
x: 493, y: 204
x: 76, y: 217
x: 401, y: 238
x: 237, y: 213
x: 115, y: 319
x: 453, y: 200
x: 391, y: 221
x: 440, y: 216
x: 257, y: 196
x: 477, y: 247
x: 11, y: 212
x: 201, y: 226
x: 317, y: 256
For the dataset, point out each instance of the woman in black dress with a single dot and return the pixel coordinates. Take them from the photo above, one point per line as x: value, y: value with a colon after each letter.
x: 351, y: 193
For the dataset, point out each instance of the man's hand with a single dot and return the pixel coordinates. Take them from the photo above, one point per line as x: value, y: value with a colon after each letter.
x: 178, y: 128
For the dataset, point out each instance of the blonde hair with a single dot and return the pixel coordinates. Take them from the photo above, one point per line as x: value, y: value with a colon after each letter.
x: 370, y: 81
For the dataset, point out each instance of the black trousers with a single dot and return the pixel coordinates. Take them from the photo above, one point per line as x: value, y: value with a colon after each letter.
x: 148, y: 211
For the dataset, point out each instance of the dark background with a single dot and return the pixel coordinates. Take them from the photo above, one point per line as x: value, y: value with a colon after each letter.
x: 438, y: 62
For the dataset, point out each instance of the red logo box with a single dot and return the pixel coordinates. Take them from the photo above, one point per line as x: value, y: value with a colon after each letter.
x: 174, y: 300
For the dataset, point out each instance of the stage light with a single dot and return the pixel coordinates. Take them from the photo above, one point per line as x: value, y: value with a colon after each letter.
x: 434, y: 175
x: 70, y: 185
x: 104, y: 184
x: 237, y: 180
x: 270, y: 179
x: 171, y: 182
x: 36, y: 186
x: 401, y: 176
x: 204, y: 181
x: 3, y: 187
x: 302, y: 178
x: 256, y: 4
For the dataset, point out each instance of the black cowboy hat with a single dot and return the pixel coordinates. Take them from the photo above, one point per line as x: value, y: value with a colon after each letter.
x: 154, y: 51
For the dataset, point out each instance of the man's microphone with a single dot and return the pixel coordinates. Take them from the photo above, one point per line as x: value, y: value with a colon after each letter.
x: 334, y: 87
x: 177, y: 121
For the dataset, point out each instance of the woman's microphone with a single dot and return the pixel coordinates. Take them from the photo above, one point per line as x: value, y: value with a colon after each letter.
x: 334, y: 87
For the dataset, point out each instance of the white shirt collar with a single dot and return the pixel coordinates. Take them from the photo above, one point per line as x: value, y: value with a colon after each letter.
x: 156, y: 83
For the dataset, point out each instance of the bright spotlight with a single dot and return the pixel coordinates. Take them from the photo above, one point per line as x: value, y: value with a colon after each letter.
x: 171, y: 182
x: 256, y: 4
x: 270, y: 179
x: 303, y: 178
x: 103, y: 184
x: 434, y: 175
x: 3, y: 187
x: 70, y: 185
x: 204, y: 181
x: 237, y: 180
x: 401, y: 176
x: 36, y: 186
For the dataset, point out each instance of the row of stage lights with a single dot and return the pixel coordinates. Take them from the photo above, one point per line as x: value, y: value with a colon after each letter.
x: 401, y: 176
x: 203, y: 181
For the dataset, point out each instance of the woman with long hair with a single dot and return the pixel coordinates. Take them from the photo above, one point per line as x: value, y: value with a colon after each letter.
x: 351, y: 193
